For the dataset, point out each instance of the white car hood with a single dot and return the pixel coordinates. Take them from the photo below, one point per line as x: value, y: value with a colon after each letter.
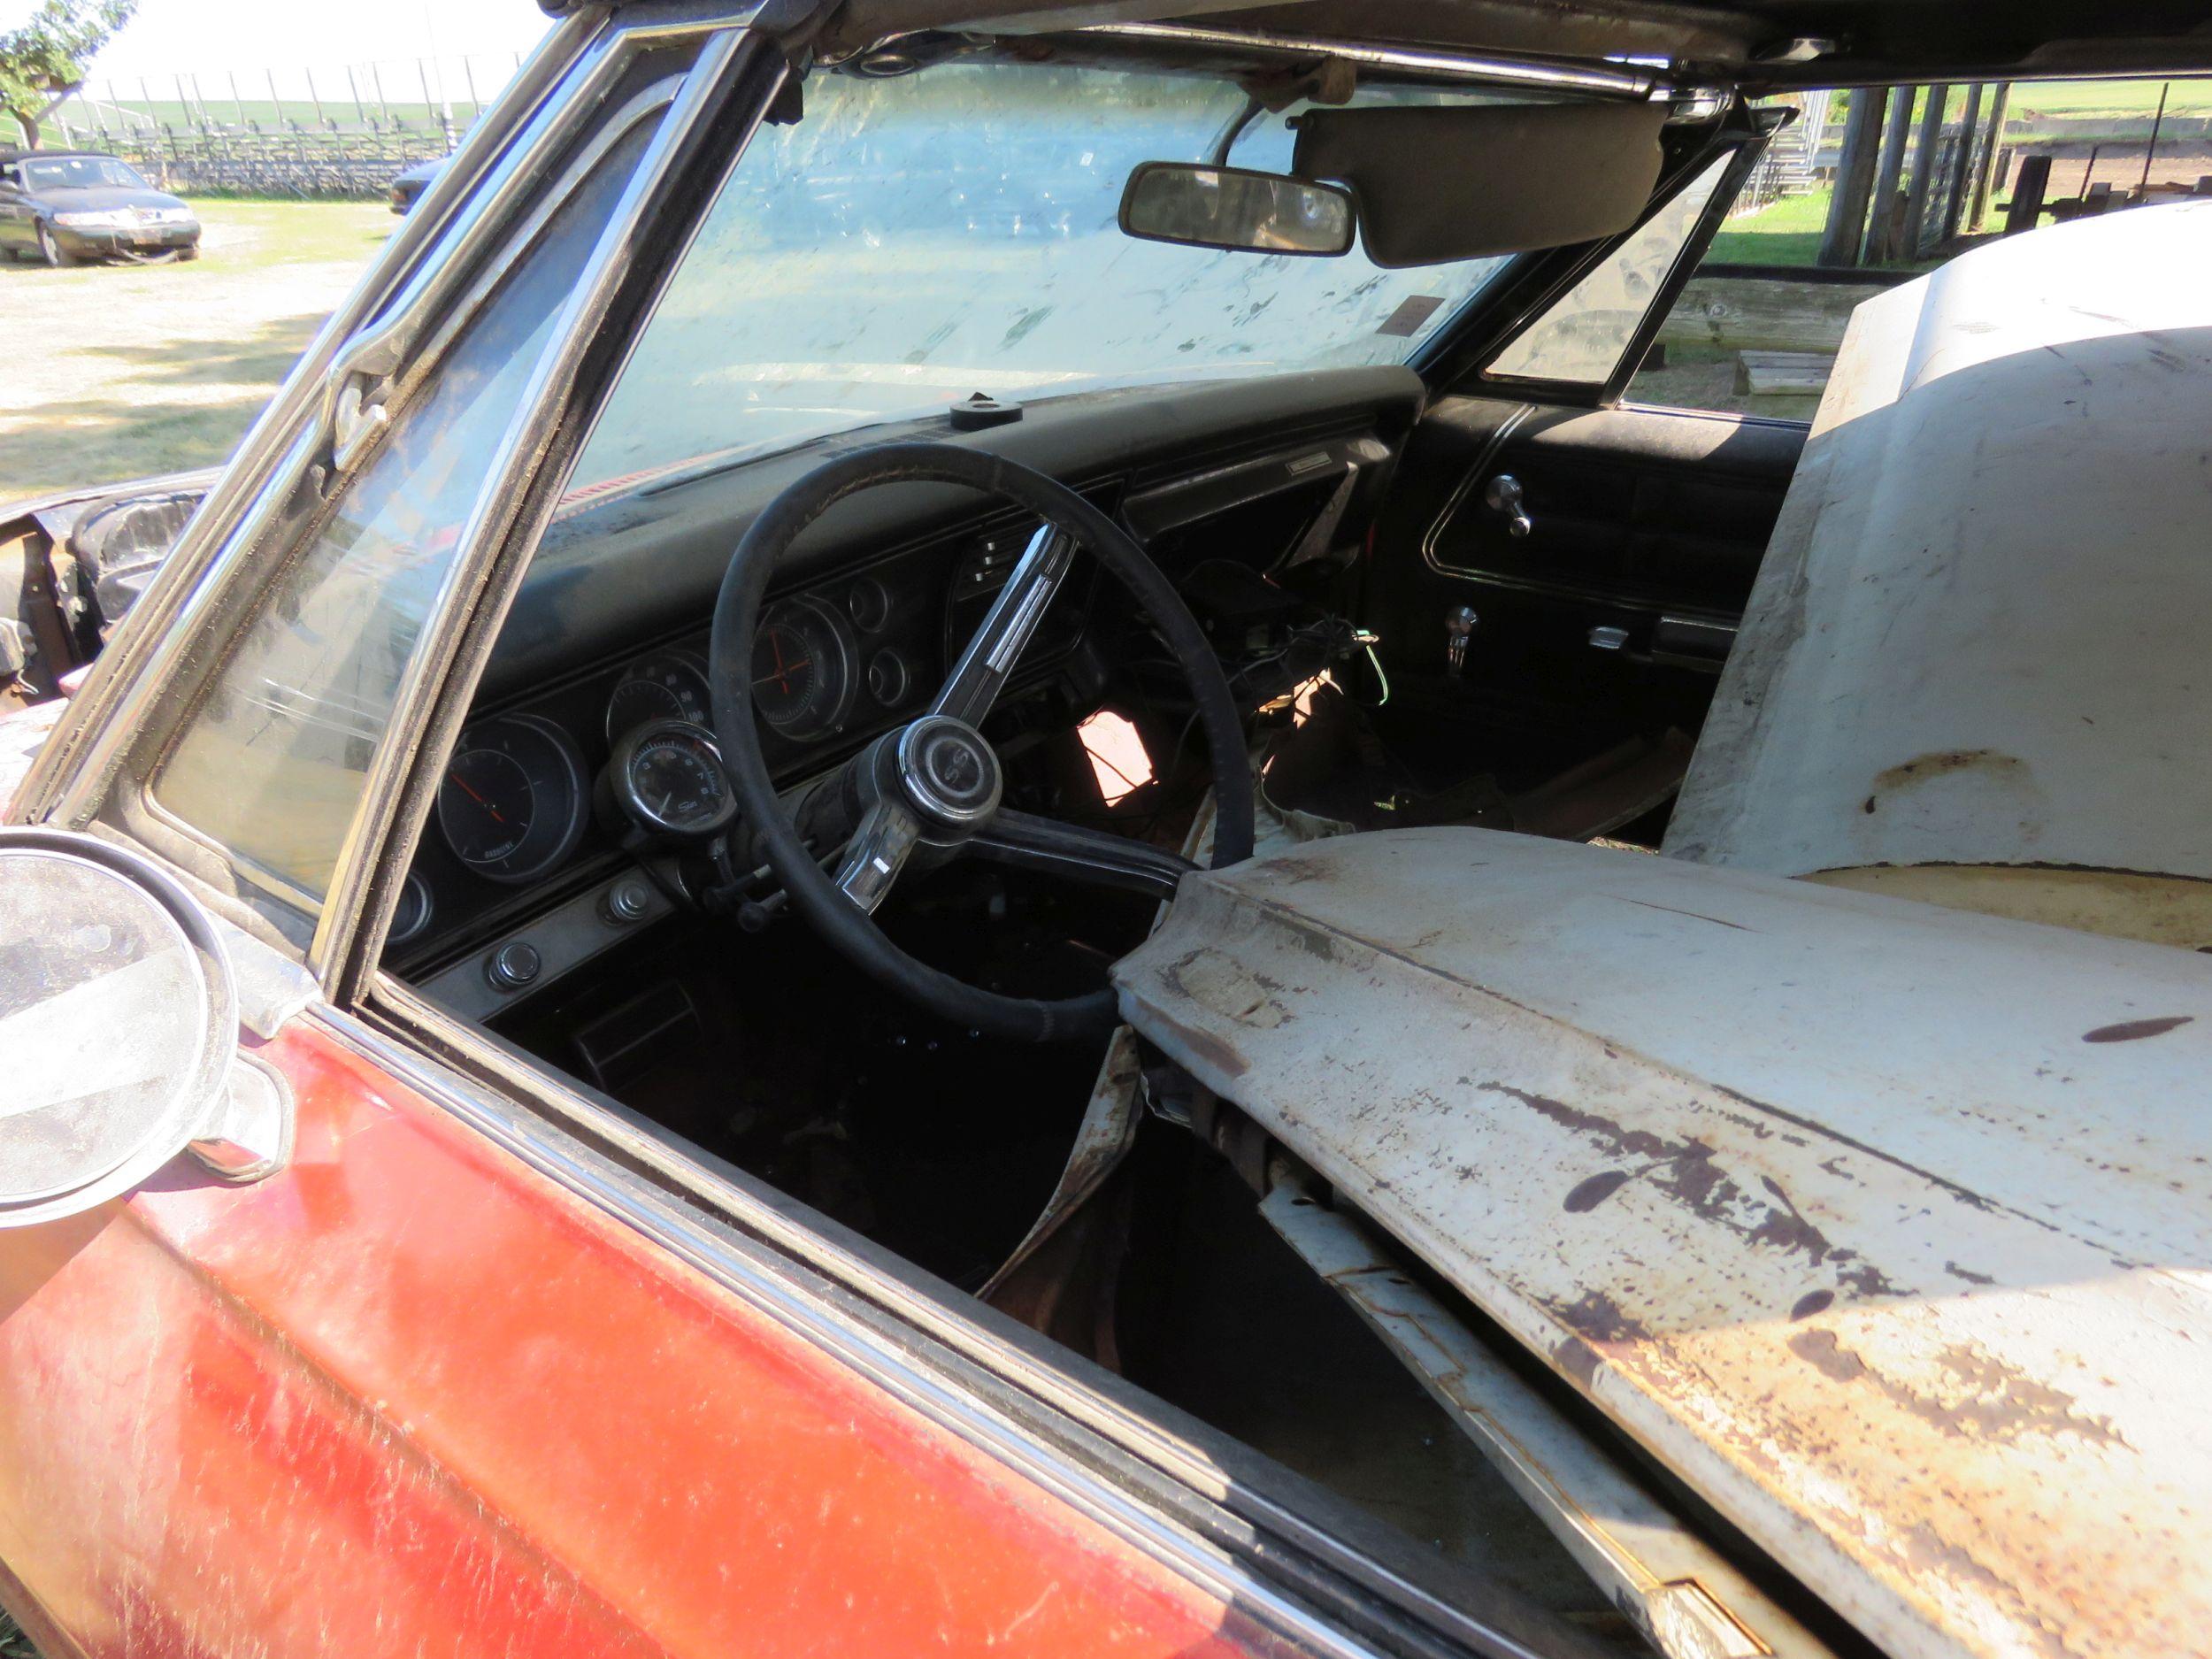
x: 1885, y: 1227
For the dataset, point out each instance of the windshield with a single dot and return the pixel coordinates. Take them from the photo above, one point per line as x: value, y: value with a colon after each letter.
x: 912, y: 241
x: 78, y: 173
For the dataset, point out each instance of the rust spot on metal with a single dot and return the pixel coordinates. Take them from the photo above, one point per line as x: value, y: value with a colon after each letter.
x: 2134, y: 1030
x: 1987, y: 1400
x: 1589, y: 1193
x: 1967, y: 1274
x: 1828, y: 1357
x: 1685, y: 1170
x: 1600, y: 1319
x: 1811, y: 1302
x: 1944, y: 762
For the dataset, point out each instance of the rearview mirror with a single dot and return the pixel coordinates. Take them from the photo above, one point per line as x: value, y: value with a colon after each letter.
x: 1237, y: 209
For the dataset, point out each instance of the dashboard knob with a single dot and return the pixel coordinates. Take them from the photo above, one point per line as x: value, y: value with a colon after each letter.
x: 626, y: 902
x: 513, y: 966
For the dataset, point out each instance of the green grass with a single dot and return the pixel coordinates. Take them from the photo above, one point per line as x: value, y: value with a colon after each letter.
x: 120, y: 372
x: 1787, y: 232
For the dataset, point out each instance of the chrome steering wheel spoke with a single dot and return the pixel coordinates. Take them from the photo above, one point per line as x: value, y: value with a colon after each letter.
x: 877, y: 852
x: 988, y: 661
x: 1090, y: 856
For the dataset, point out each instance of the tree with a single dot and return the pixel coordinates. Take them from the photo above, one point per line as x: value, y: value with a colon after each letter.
x: 45, y: 59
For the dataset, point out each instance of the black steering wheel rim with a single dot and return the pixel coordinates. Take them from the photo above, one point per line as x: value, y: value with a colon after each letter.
x: 813, y: 894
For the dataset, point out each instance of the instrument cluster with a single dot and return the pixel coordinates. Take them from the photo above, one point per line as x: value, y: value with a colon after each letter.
x: 630, y: 752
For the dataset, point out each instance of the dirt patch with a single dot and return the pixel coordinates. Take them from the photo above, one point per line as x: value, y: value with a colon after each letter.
x: 119, y: 371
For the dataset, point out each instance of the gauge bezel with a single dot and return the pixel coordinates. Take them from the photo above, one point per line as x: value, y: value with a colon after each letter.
x: 420, y: 889
x: 899, y: 664
x: 632, y: 803
x: 689, y: 661
x: 870, y: 591
x: 843, y: 688
x: 571, y: 760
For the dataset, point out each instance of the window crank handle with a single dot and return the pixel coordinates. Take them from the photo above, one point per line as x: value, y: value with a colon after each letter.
x: 1503, y: 495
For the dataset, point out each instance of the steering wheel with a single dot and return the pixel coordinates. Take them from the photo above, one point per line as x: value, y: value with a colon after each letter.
x: 929, y: 791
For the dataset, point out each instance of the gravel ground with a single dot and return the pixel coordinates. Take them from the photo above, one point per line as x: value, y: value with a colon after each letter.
x: 117, y: 372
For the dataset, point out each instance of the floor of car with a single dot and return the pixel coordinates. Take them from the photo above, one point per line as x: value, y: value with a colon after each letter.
x: 1228, y: 1323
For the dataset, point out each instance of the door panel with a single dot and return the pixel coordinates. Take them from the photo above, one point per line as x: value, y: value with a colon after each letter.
x: 1610, y: 616
x: 408, y: 1396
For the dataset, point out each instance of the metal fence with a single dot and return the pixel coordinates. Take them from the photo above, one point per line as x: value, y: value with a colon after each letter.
x: 336, y: 133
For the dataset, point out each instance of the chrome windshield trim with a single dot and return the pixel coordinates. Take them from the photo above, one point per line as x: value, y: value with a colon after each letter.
x: 1476, y: 68
x: 757, y: 1251
x: 402, y: 348
x: 103, y: 721
x: 499, y: 499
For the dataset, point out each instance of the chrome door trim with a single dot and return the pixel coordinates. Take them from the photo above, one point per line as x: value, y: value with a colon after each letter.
x: 397, y: 353
x: 483, y: 537
x: 96, y: 731
x: 1467, y: 486
x: 758, y: 1250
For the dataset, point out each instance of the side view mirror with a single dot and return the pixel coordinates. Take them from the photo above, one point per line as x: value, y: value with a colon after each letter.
x: 118, y: 1026
x: 1238, y: 209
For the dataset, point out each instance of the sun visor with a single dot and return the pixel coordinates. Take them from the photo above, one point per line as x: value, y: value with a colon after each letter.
x: 1437, y: 184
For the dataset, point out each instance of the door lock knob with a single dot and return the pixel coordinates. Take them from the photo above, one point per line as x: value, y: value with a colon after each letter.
x: 1459, y: 628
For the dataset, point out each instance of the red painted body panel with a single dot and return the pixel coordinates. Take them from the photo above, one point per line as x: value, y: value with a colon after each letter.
x: 409, y: 1397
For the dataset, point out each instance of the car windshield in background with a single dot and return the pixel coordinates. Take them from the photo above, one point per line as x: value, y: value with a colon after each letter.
x: 912, y: 241
x: 81, y: 173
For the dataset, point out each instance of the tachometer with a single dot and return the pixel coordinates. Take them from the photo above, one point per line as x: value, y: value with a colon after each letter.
x: 665, y: 686
x: 668, y: 777
x: 802, y: 669
x: 512, y: 804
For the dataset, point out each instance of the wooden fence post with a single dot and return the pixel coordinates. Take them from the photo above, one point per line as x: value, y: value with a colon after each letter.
x: 1881, y: 231
x: 1840, y: 238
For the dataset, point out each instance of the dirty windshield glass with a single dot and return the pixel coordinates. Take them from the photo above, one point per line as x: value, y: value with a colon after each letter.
x: 910, y: 241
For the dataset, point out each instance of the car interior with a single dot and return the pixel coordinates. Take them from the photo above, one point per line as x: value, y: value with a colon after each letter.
x: 1436, y: 593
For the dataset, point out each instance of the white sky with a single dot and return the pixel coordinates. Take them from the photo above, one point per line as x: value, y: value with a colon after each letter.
x: 170, y: 35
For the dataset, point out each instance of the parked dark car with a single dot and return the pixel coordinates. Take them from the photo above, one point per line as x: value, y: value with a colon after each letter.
x: 62, y: 207
x: 408, y: 188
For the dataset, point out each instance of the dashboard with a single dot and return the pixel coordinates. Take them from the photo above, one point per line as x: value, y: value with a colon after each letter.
x: 591, y: 741
x: 558, y: 784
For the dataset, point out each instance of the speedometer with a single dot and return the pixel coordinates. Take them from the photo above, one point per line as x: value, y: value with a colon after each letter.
x: 665, y: 686
x: 512, y: 803
x: 802, y: 669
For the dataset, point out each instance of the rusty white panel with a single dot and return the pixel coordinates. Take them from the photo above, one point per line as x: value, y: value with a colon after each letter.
x: 1886, y: 1227
x: 1978, y: 634
x: 1687, y: 1598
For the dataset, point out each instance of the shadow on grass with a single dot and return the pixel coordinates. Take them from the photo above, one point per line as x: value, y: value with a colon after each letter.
x: 102, y: 441
x: 267, y: 354
x: 152, y: 423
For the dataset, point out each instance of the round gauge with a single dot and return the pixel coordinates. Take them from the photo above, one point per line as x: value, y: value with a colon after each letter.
x: 411, y: 915
x: 802, y: 669
x: 512, y: 803
x: 669, y: 777
x: 665, y: 686
x: 868, y: 605
x: 888, y: 680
